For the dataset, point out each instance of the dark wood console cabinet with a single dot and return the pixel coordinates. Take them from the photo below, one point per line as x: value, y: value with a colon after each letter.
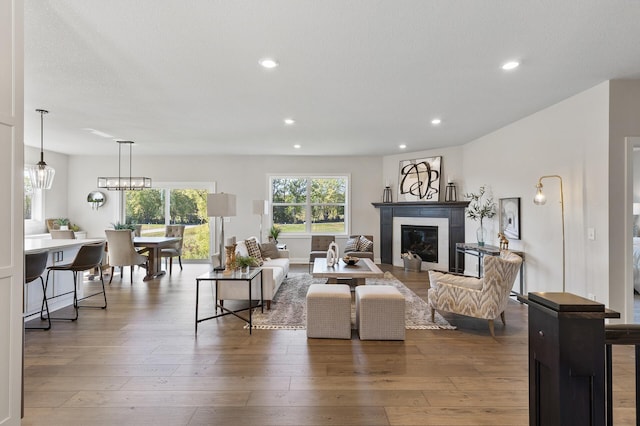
x: 566, y: 360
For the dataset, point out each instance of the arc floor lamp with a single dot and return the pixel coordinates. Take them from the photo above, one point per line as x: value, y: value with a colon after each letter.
x: 540, y: 199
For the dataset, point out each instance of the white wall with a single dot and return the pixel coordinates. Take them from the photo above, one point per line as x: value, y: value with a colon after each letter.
x: 569, y: 139
x: 244, y: 176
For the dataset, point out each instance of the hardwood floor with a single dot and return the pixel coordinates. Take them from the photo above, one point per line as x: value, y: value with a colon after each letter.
x: 138, y: 362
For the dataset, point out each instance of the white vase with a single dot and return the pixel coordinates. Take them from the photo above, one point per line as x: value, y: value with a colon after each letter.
x: 64, y: 227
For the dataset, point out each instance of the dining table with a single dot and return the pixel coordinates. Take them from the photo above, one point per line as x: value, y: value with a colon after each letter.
x: 155, y: 246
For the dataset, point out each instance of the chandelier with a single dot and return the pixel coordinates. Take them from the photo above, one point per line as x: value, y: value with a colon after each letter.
x: 41, y: 175
x: 124, y: 183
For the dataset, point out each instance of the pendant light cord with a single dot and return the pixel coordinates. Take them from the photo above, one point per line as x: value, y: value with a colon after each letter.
x: 42, y: 113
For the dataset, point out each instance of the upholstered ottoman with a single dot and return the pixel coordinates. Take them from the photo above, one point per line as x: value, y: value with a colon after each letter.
x: 329, y: 311
x: 379, y: 312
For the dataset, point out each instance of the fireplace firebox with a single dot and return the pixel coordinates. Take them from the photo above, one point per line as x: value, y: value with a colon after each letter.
x: 421, y: 240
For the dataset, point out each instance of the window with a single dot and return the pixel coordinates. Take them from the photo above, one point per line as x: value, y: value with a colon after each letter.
x: 32, y: 200
x: 310, y: 204
x: 155, y: 208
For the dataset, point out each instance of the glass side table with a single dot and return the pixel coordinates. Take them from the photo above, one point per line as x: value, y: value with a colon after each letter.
x: 236, y: 275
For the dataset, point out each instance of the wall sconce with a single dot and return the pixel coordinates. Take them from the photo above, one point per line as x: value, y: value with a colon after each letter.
x: 540, y: 199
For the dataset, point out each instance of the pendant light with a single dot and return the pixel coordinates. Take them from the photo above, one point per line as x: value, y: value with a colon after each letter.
x: 41, y: 175
x: 124, y: 183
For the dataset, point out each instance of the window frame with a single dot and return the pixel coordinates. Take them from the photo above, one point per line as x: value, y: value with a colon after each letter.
x: 308, y: 204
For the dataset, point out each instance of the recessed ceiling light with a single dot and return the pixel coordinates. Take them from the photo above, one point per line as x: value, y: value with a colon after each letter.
x: 402, y: 146
x: 268, y: 63
x: 436, y: 121
x: 289, y: 121
x: 510, y: 65
x: 297, y: 146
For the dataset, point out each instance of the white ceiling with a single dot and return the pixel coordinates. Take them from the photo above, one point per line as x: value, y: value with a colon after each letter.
x: 360, y: 76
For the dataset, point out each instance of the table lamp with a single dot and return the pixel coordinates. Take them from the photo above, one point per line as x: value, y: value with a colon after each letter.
x: 221, y: 205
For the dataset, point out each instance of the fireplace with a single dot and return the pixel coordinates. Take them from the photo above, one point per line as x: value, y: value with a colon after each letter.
x: 448, y: 217
x: 420, y: 240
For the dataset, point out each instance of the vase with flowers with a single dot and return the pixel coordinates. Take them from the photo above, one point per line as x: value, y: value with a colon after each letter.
x: 479, y: 208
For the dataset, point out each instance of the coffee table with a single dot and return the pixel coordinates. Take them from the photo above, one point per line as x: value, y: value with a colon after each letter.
x: 356, y: 274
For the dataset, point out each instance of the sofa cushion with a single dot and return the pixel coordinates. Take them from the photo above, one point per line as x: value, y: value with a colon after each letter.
x: 364, y: 244
x: 241, y: 249
x: 254, y: 250
x: 269, y: 251
x: 351, y: 245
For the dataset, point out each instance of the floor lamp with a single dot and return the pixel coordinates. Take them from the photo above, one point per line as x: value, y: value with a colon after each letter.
x: 221, y: 205
x: 540, y: 199
x: 261, y: 207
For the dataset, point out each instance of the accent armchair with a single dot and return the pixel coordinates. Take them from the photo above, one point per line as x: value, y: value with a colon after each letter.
x: 360, y: 246
x: 485, y: 297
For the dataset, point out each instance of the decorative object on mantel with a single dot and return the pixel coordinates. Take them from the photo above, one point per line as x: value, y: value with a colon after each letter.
x: 333, y: 254
x: 420, y: 179
x: 450, y: 193
x: 479, y: 209
x: 124, y: 183
x: 387, y: 197
x: 510, y: 217
x: 41, y: 175
x: 96, y: 199
x: 540, y: 199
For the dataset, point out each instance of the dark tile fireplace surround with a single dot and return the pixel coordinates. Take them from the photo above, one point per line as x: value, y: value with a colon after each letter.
x: 454, y: 212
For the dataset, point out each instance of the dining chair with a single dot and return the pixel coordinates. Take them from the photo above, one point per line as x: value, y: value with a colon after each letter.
x: 122, y: 252
x: 89, y: 257
x: 58, y: 234
x: 169, y: 253
x: 34, y: 266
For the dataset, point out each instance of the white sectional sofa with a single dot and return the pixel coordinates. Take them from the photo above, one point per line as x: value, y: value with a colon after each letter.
x: 275, y: 269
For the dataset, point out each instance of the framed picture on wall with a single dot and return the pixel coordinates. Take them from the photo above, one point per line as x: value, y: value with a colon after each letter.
x: 510, y: 217
x: 419, y: 179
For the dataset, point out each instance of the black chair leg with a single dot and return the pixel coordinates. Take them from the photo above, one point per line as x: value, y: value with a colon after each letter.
x: 75, y: 300
x: 103, y: 292
x: 45, y: 306
x: 180, y: 262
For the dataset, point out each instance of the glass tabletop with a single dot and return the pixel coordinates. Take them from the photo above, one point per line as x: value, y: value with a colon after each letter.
x: 236, y: 274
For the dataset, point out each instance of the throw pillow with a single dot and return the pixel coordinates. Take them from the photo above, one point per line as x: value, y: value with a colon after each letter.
x: 269, y: 251
x: 364, y: 244
x: 241, y: 249
x: 351, y: 245
x: 254, y: 250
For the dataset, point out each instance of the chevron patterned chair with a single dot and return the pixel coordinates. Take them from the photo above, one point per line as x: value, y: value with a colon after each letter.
x: 484, y: 297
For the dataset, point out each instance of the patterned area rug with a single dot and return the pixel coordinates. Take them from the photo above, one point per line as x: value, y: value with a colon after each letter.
x: 288, y: 308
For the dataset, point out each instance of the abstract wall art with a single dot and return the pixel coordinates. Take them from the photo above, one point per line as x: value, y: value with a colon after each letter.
x: 420, y: 179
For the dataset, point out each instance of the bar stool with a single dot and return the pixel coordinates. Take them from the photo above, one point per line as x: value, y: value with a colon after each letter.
x: 34, y: 266
x: 89, y: 257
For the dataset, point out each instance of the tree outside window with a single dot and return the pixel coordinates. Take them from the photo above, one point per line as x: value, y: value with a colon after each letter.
x: 310, y: 204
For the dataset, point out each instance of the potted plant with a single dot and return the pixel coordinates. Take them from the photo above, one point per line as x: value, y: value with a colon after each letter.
x: 480, y: 208
x: 129, y: 226
x: 63, y: 223
x: 274, y: 232
x: 245, y: 262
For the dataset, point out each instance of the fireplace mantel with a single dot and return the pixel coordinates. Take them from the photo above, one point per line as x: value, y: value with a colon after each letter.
x: 453, y: 211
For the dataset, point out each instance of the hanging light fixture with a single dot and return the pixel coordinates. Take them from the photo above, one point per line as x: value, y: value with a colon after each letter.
x: 41, y: 175
x: 124, y: 183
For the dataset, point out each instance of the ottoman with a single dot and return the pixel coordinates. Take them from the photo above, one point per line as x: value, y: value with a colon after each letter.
x: 379, y: 312
x: 329, y: 311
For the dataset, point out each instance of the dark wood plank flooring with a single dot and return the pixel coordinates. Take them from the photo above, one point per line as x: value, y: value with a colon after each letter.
x: 138, y: 362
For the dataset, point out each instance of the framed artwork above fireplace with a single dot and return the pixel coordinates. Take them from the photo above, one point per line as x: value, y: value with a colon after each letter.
x: 419, y: 179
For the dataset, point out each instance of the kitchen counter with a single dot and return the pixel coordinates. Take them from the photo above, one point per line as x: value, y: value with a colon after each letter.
x: 32, y: 245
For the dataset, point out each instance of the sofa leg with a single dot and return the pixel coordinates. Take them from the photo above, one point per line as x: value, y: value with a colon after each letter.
x: 493, y: 333
x: 268, y: 305
x: 502, y: 318
x: 433, y: 315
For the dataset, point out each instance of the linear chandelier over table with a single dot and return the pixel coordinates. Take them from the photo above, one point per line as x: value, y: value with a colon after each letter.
x: 124, y: 183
